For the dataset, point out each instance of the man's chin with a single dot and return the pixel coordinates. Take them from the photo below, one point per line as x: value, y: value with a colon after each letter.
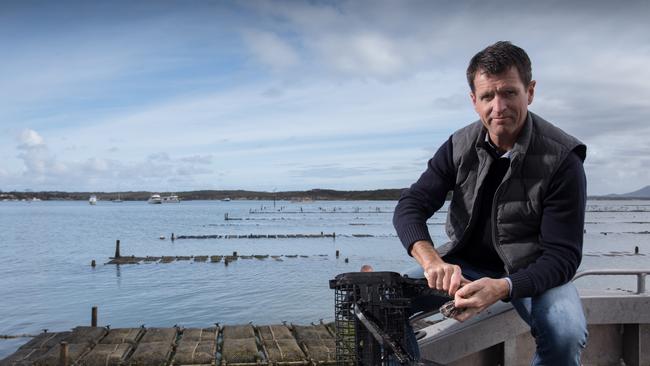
x: 501, y: 130
x: 501, y: 121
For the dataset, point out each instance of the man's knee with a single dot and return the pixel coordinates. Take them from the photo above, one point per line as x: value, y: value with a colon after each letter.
x: 558, y: 321
x: 567, y: 338
x: 560, y: 326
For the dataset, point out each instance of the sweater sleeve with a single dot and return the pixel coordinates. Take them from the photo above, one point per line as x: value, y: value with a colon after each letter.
x: 561, y: 232
x: 419, y: 202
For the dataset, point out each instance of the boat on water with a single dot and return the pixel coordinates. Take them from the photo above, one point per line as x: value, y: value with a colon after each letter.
x: 92, y: 200
x: 172, y: 198
x: 227, y: 199
x: 118, y: 199
x: 154, y: 199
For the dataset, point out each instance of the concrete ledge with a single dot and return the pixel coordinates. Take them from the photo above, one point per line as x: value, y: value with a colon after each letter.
x: 498, y: 335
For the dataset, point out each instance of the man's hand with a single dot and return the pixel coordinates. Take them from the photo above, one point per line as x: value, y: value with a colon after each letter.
x: 476, y: 296
x: 440, y: 275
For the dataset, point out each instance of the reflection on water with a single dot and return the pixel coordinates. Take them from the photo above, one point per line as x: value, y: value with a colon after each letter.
x: 47, y: 247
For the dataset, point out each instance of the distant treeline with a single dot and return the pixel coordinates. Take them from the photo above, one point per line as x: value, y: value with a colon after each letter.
x: 314, y: 194
x: 311, y: 195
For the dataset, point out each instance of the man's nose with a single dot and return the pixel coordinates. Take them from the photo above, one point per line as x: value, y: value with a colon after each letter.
x: 499, y: 104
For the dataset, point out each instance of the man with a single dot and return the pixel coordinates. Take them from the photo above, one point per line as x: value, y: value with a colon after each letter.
x: 516, y: 215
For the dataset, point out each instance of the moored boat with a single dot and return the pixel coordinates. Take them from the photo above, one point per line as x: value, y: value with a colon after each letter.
x: 155, y: 199
x: 92, y: 200
x: 172, y: 198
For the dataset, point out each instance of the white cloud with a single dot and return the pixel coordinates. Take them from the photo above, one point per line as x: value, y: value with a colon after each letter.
x: 43, y: 170
x: 159, y: 157
x: 271, y: 50
x: 198, y: 159
x: 30, y: 139
x: 362, y: 54
x: 330, y: 82
x: 320, y: 110
x: 618, y: 161
x: 95, y: 165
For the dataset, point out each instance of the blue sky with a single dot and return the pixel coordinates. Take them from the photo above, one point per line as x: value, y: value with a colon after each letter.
x: 284, y: 95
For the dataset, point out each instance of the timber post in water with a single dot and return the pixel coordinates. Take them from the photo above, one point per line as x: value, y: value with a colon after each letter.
x: 63, y: 356
x: 117, y: 248
x: 92, y: 263
x: 93, y: 317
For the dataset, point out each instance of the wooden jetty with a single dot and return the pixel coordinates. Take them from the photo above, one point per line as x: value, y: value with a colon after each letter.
x: 203, y: 258
x: 229, y: 345
x: 120, y: 259
x: 283, y: 236
x: 258, y: 236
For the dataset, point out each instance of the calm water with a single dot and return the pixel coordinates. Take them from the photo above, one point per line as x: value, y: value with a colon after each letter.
x: 47, y: 281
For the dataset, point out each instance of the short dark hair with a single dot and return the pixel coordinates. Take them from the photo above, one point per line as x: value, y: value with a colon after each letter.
x: 498, y: 58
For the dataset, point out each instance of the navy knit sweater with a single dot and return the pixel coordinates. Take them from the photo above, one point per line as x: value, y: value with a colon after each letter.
x: 561, y: 227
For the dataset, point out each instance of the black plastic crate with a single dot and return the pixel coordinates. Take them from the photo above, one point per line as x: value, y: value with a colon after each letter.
x: 381, y: 298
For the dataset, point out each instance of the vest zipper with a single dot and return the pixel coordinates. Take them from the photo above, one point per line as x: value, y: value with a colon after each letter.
x: 497, y: 248
x: 472, y: 220
x: 468, y: 229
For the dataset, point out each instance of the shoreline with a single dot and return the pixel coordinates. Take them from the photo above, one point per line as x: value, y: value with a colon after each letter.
x: 293, y: 197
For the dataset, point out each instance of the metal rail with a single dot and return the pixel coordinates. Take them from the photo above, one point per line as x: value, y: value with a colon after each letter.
x: 639, y: 273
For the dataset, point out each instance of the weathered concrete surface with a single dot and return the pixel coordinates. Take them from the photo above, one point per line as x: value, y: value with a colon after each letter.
x: 618, y: 323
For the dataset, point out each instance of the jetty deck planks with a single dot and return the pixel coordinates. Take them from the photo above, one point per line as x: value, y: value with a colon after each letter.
x: 230, y: 345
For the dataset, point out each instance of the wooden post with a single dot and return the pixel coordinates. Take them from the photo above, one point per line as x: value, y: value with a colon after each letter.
x: 117, y: 248
x: 93, y: 264
x: 337, y: 253
x: 234, y: 254
x: 63, y: 355
x: 346, y: 260
x: 93, y: 317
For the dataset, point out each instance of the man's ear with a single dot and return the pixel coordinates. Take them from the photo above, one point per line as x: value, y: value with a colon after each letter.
x: 531, y: 91
x: 473, y: 97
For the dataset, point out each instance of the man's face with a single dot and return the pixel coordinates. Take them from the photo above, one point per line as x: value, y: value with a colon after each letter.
x: 501, y: 102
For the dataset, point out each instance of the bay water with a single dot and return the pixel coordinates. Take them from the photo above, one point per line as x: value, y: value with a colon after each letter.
x: 46, y: 249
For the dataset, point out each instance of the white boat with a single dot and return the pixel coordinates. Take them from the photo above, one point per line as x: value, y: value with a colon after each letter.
x: 172, y: 198
x: 92, y: 200
x: 155, y: 199
x: 118, y: 200
x: 227, y: 199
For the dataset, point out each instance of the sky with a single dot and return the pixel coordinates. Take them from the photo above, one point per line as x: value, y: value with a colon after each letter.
x: 295, y: 95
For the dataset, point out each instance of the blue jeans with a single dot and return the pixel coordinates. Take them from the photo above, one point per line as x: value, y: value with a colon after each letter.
x: 555, y: 317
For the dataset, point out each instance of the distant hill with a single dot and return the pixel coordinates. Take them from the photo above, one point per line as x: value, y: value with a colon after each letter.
x: 641, y: 193
x: 310, y: 195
